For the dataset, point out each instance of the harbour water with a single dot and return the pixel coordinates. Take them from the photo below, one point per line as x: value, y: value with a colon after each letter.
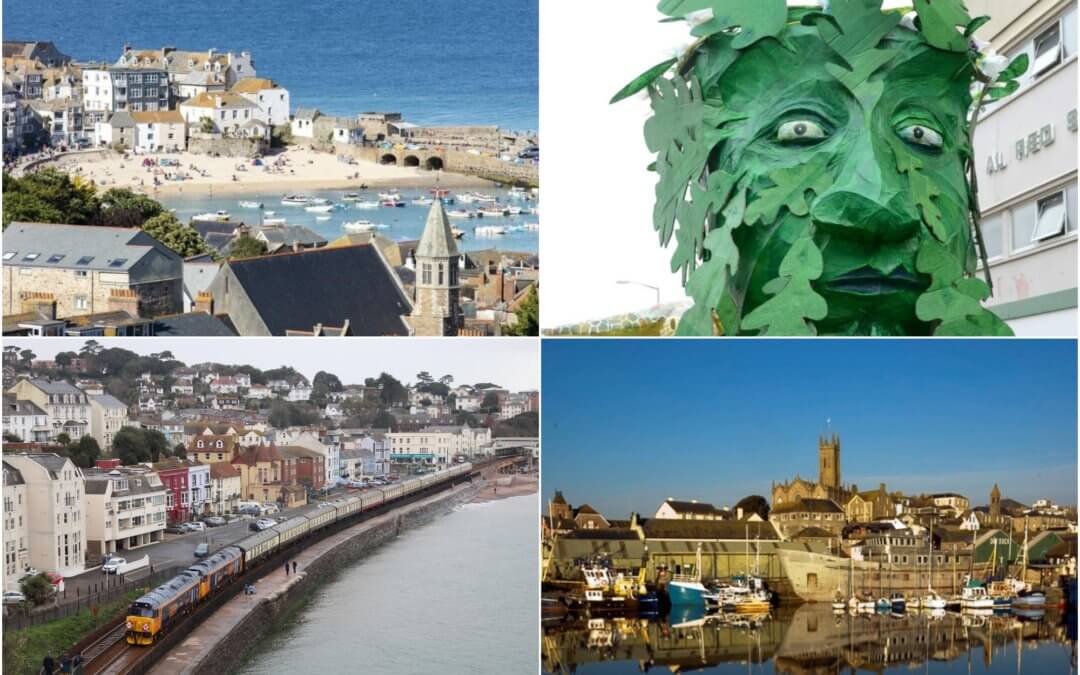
x: 435, y: 61
x: 457, y: 595
x: 814, y: 639
x: 401, y: 222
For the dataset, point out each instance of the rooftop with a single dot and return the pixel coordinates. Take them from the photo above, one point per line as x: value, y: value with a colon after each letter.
x: 82, y: 247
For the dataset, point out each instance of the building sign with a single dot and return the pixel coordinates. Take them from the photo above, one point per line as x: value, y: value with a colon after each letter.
x: 1029, y: 145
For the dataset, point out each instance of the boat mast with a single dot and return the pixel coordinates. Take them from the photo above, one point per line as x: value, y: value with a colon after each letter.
x: 930, y: 554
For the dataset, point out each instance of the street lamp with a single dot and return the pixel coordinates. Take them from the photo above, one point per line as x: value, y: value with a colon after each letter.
x: 624, y: 282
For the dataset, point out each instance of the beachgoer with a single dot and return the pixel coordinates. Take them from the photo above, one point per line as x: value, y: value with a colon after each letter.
x: 286, y: 568
x: 294, y: 567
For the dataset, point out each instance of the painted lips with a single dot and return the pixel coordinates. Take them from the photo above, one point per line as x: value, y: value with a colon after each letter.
x: 868, y: 281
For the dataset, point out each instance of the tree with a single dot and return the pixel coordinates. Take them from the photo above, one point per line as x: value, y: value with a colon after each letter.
x: 525, y: 424
x: 130, y: 446
x: 180, y: 451
x: 384, y: 420
x: 49, y: 196
x: 206, y: 125
x: 120, y: 207
x: 84, y: 453
x: 322, y: 385
x: 446, y: 380
x: 37, y: 588
x: 490, y: 402
x: 280, y: 135
x: 91, y: 348
x: 754, y: 504
x: 391, y: 391
x: 63, y: 439
x: 527, y: 316
x: 246, y: 246
x: 286, y: 414
x: 27, y: 357
x: 11, y: 438
x: 183, y: 239
x: 64, y: 359
x: 424, y: 377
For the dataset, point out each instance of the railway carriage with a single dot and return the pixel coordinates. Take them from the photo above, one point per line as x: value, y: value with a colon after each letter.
x: 393, y: 492
x: 319, y: 518
x: 291, y: 529
x: 372, y: 499
x: 258, y: 546
x: 348, y: 506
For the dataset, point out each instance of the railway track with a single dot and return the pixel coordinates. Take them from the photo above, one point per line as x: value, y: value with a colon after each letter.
x: 109, y: 654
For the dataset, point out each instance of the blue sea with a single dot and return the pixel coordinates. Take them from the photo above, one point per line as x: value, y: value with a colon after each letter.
x: 438, y: 62
x: 397, y: 223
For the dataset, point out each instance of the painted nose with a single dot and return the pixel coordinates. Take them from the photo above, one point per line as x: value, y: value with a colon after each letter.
x: 853, y: 216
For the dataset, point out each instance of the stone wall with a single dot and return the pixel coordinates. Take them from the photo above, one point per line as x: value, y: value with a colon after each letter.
x: 231, y: 649
x: 152, y: 299
x: 227, y: 147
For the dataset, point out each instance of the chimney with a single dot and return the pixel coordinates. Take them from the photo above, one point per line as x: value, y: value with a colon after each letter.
x: 37, y: 301
x: 124, y: 299
x: 738, y: 513
x: 204, y: 302
x: 111, y: 463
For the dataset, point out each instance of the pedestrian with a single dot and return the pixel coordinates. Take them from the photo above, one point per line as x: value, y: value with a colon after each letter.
x: 47, y: 665
x: 286, y: 568
x: 294, y: 567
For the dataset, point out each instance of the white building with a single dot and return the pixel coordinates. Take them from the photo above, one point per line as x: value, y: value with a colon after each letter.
x: 1025, y: 148
x: 437, y: 445
x: 225, y: 488
x: 68, y: 407
x: 272, y: 99
x: 26, y: 420
x: 303, y: 123
x: 158, y: 131
x: 228, y: 113
x: 225, y: 385
x: 16, y: 523
x: 125, y: 509
x: 198, y: 488
x: 183, y: 386
x: 108, y: 415
x: 300, y: 393
x: 56, y: 513
x: 259, y: 391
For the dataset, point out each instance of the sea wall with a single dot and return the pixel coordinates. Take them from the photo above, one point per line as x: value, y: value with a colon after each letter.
x: 226, y: 146
x: 347, y: 546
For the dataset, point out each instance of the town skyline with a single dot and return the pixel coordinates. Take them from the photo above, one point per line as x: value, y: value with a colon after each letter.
x: 602, y: 428
x: 507, y: 360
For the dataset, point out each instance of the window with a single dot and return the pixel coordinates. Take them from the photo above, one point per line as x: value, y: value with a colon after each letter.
x: 31, y: 257
x: 1070, y: 208
x: 85, y: 260
x: 1051, y: 217
x: 1023, y: 225
x: 9, y: 255
x: 55, y: 258
x: 81, y: 302
x: 119, y: 262
x: 425, y: 276
x: 440, y: 274
x: 1047, y: 50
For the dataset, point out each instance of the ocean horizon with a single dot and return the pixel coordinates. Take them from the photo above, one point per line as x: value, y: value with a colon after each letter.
x: 437, y: 62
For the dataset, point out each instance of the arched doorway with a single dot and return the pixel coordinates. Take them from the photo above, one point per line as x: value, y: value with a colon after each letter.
x: 388, y: 158
x: 434, y: 164
x: 412, y: 160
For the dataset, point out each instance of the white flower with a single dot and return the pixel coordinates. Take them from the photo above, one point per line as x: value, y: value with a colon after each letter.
x: 992, y: 64
x: 909, y: 21
x: 979, y: 45
x: 699, y: 17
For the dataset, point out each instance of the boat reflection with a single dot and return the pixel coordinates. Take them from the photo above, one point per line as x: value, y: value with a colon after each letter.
x: 809, y: 639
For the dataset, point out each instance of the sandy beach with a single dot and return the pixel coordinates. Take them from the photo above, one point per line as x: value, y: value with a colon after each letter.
x: 508, y: 486
x: 297, y: 170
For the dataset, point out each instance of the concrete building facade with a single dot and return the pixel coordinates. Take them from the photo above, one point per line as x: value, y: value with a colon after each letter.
x: 108, y: 415
x: 125, y: 509
x: 55, y: 517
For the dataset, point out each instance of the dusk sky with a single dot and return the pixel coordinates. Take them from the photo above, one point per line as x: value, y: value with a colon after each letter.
x: 627, y: 423
x: 509, y: 363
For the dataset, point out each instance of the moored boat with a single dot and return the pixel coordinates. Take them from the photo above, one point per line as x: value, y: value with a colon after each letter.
x: 392, y: 195
x: 366, y: 204
x: 359, y: 226
x: 974, y: 596
x: 273, y: 221
x: 250, y: 205
x: 295, y: 200
x: 219, y: 216
x: 489, y: 230
x: 457, y: 232
x: 320, y: 208
x: 460, y: 213
x: 392, y: 202
x: 351, y: 197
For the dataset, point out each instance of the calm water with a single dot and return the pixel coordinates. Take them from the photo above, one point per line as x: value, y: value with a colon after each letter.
x: 813, y: 640
x: 435, y: 61
x: 401, y: 223
x: 457, y: 595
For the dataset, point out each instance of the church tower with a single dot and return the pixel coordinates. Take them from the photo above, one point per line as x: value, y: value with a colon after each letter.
x: 829, y: 463
x: 995, y: 502
x: 436, y: 307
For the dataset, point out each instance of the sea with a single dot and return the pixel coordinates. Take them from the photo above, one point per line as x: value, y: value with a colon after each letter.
x: 814, y: 639
x: 456, y: 595
x: 438, y: 62
x: 397, y: 223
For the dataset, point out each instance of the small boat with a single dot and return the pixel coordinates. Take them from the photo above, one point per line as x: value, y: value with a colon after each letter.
x: 883, y: 605
x: 365, y: 205
x: 460, y: 213
x: 219, y: 216
x: 442, y: 194
x: 974, y: 596
x: 1030, y: 600
x: 932, y: 601
x: 359, y: 226
x: 515, y: 210
x: 321, y: 208
x: 686, y: 592
x: 319, y: 200
x: 489, y: 230
x: 390, y: 195
x: 273, y: 221
x: 423, y: 201
x: 296, y: 200
x: 494, y: 212
x: 250, y: 205
x: 457, y: 232
x: 532, y: 227
x: 351, y: 197
x: 392, y: 202
x: 323, y: 217
x: 839, y: 604
x: 898, y: 603
x: 269, y: 213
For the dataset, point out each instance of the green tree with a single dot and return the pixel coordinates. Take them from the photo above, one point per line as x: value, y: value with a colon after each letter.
x: 527, y: 316
x: 180, y: 451
x: 206, y: 125
x: 130, y: 446
x: 183, y: 239
x: 90, y: 348
x: 84, y: 453
x: 384, y: 420
x: 37, y: 588
x: 11, y: 438
x: 121, y: 207
x: 49, y: 196
x: 26, y: 357
x: 280, y: 136
x: 754, y: 504
x: 246, y: 247
x: 391, y: 391
x: 525, y: 424
x: 490, y: 402
x: 63, y: 439
x: 64, y: 359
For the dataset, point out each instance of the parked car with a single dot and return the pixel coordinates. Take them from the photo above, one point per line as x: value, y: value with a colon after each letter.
x: 261, y: 524
x: 176, y: 529
x: 215, y: 521
x: 202, y: 550
x: 269, y: 508
x: 113, y: 565
x: 197, y: 526
x: 13, y: 597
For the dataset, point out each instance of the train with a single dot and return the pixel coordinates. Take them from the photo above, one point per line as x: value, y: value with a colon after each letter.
x: 154, y: 613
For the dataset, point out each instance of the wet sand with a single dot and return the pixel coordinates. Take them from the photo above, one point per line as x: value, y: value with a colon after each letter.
x: 510, y: 486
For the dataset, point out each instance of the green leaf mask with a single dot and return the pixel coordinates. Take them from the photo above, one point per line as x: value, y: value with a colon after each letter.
x: 809, y: 162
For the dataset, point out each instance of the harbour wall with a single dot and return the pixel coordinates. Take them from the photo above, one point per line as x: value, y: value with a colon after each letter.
x: 209, y: 650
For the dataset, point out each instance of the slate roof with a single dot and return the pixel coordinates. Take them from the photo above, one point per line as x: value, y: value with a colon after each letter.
x: 808, y: 506
x: 672, y: 528
x: 286, y: 235
x: 306, y: 113
x: 815, y: 532
x: 298, y: 451
x: 14, y: 406
x: 192, y: 324
x: 437, y: 241
x: 110, y: 249
x: 108, y: 401
x: 12, y: 476
x: 692, y: 507
x: 56, y: 386
x: 325, y: 286
x: 52, y: 462
x: 121, y: 119
x: 97, y: 481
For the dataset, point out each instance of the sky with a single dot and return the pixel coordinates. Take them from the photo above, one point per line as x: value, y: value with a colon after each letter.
x: 509, y: 363
x: 628, y: 423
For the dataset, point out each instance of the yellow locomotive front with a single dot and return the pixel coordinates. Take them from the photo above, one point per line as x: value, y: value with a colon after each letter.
x: 143, y: 623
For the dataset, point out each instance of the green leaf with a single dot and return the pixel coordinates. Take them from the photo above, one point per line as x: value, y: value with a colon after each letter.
x: 953, y: 301
x: 939, y: 20
x: 708, y: 285
x: 796, y: 304
x: 1015, y: 69
x: 1002, y: 90
x: 975, y: 25
x: 643, y: 80
x: 789, y: 189
x: 756, y: 19
x: 853, y: 26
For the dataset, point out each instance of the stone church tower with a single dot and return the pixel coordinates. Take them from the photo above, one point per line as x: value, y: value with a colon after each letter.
x: 995, y: 502
x: 829, y: 463
x: 436, y: 306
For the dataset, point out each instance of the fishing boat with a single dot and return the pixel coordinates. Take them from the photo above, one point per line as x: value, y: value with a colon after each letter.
x: 686, y: 591
x: 392, y: 202
x: 273, y: 221
x: 351, y: 197
x: 974, y: 596
x: 359, y: 226
x: 423, y: 201
x: 319, y: 200
x: 489, y: 230
x: 320, y: 208
x: 295, y: 200
x: 494, y: 212
x: 218, y: 216
x: 460, y: 214
x: 395, y: 196
x: 882, y: 605
x: 838, y: 603
x: 366, y: 205
x: 898, y: 602
x: 250, y: 205
x: 932, y: 601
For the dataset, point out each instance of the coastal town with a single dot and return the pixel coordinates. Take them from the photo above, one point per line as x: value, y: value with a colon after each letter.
x: 337, y: 225
x: 810, y: 548
x: 150, y: 464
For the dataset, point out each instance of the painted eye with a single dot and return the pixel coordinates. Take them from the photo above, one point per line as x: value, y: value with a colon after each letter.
x: 921, y: 135
x: 800, y: 130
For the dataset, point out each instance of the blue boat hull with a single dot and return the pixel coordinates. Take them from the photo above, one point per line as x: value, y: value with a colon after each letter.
x: 686, y: 595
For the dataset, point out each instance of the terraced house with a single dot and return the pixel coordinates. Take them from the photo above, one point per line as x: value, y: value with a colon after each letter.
x: 55, y: 271
x: 67, y: 406
x: 125, y: 508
